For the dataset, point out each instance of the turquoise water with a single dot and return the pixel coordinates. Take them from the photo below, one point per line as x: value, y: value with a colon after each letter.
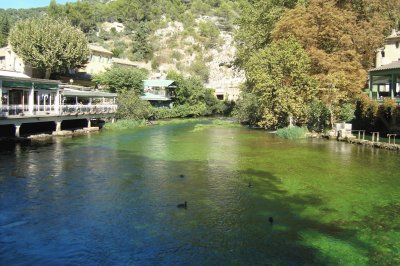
x: 111, y: 199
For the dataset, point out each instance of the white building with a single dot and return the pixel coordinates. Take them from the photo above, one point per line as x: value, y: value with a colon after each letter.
x: 384, y: 79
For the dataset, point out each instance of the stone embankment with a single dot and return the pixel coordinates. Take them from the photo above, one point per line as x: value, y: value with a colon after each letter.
x: 354, y: 140
x: 45, y: 137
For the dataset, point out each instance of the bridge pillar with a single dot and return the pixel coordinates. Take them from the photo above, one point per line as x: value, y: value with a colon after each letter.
x: 58, y: 126
x: 89, y: 123
x: 112, y: 120
x: 17, y: 128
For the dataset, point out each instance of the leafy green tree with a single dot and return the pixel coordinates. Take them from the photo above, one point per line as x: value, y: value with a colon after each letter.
x: 141, y: 46
x: 49, y: 44
x: 130, y: 106
x: 82, y: 15
x: 247, y: 109
x: 4, y: 30
x: 257, y: 20
x: 279, y: 76
x: 118, y: 79
x: 188, y: 90
x: 54, y: 10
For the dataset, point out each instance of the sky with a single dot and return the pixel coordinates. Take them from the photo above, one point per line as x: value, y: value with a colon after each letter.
x: 29, y: 3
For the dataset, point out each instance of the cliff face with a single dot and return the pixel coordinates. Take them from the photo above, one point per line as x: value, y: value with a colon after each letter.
x: 204, y: 50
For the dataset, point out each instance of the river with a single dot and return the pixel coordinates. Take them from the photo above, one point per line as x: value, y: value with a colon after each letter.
x: 111, y: 199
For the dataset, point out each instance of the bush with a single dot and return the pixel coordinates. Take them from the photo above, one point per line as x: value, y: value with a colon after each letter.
x: 130, y: 106
x: 292, y: 132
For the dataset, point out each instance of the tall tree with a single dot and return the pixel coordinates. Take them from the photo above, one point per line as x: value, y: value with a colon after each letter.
x: 328, y: 34
x: 279, y: 77
x: 4, y: 30
x: 257, y: 20
x: 49, y: 44
x: 118, y: 79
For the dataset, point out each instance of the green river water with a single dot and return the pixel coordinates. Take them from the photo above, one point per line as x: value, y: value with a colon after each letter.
x: 111, y: 198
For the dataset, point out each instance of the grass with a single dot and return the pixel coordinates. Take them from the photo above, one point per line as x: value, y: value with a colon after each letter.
x: 124, y: 124
x: 292, y: 132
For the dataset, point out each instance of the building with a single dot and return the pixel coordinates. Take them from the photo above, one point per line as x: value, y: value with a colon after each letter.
x: 26, y: 101
x: 99, y: 60
x: 10, y: 61
x: 159, y: 92
x: 384, y: 79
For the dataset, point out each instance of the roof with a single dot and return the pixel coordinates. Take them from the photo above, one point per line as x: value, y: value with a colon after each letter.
x: 393, y: 65
x: 88, y: 94
x: 159, y: 83
x: 123, y: 62
x: 13, y: 74
x: 27, y: 79
x: 153, y: 97
x: 99, y: 49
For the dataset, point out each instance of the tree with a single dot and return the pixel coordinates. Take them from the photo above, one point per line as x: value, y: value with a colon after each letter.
x: 118, y: 79
x: 341, y: 41
x: 247, y: 109
x: 4, y: 30
x: 279, y: 77
x: 130, y: 106
x: 188, y: 90
x: 141, y: 47
x: 330, y: 36
x: 49, y: 44
x: 54, y: 10
x: 256, y: 23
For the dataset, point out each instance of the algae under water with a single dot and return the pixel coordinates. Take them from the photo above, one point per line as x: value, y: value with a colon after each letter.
x: 111, y: 198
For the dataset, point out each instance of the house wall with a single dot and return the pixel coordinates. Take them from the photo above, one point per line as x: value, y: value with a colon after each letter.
x: 391, y: 50
x: 10, y: 61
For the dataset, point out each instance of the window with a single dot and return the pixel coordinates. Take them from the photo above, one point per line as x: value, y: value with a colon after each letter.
x: 383, y: 53
x: 397, y: 45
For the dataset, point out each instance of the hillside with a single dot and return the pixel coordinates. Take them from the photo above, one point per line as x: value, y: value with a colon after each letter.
x: 191, y: 37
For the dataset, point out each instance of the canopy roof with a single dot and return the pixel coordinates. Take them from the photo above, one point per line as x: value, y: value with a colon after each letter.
x: 23, y: 82
x: 392, y: 66
x: 159, y: 83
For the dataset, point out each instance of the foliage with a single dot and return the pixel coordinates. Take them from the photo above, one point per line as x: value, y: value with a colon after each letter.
x: 125, y: 124
x: 278, y: 76
x: 49, y: 44
x: 247, y: 109
x: 292, y: 132
x: 130, y: 106
x: 142, y: 48
x: 318, y: 116
x: 200, y: 69
x: 180, y: 111
x: 119, y: 78
x: 255, y: 26
x: 336, y: 42
x: 4, y: 30
x: 81, y: 14
x: 188, y: 90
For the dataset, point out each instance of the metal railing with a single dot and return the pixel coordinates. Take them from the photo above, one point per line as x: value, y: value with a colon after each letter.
x: 19, y: 109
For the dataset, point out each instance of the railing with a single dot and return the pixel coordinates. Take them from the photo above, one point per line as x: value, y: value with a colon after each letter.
x: 14, y: 109
x: 10, y: 110
x: 89, y: 109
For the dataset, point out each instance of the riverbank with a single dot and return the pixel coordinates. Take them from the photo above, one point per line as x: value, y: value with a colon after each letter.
x: 373, y: 144
x: 7, y: 141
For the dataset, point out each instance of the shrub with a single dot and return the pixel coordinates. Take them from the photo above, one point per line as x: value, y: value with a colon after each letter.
x: 130, y: 106
x: 292, y: 132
